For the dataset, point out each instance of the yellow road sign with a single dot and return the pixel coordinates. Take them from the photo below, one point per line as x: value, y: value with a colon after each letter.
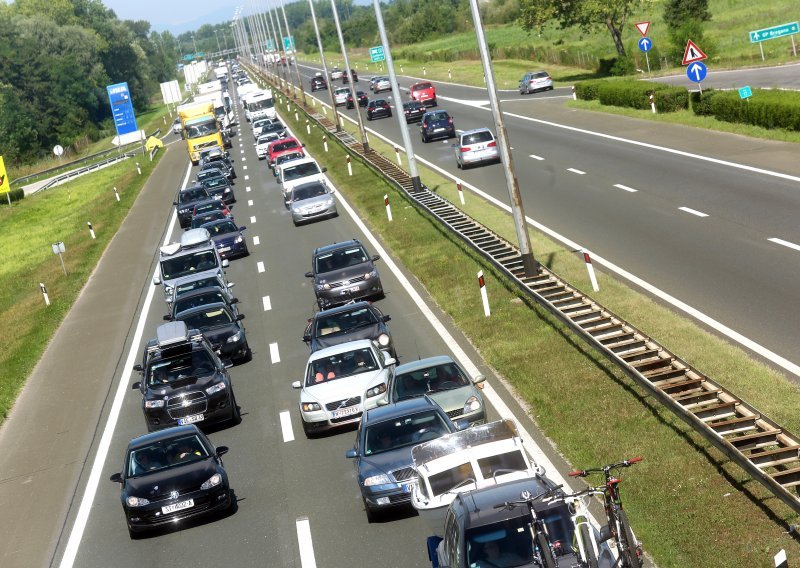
x: 5, y: 183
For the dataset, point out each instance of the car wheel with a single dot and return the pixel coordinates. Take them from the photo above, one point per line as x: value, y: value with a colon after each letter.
x: 369, y: 117
x: 459, y: 165
x: 390, y: 114
x: 424, y: 139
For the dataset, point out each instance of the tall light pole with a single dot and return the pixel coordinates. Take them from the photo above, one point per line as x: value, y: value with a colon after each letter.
x: 349, y: 75
x: 219, y: 48
x: 529, y: 264
x: 194, y: 45
x: 276, y: 32
x: 337, y: 119
x: 291, y: 44
x: 412, y: 162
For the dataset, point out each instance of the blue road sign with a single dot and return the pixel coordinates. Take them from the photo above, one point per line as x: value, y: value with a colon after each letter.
x: 745, y: 93
x: 122, y: 108
x: 697, y: 71
x: 645, y: 44
x: 774, y: 32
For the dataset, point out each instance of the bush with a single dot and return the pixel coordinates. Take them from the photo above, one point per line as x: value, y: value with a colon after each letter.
x: 634, y: 94
x: 14, y: 194
x: 587, y: 90
x: 766, y: 108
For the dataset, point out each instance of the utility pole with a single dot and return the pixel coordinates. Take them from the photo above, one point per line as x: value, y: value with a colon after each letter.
x: 529, y: 264
x: 349, y: 75
x: 336, y: 118
x: 291, y: 44
x: 219, y: 48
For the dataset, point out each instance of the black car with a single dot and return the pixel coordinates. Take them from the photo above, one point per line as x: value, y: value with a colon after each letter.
x: 216, y: 156
x: 218, y: 168
x: 378, y: 108
x: 221, y: 327
x: 414, y: 111
x: 343, y: 272
x: 318, y: 83
x: 219, y: 188
x: 210, y: 172
x: 228, y: 238
x: 437, y: 124
x: 206, y: 217
x: 345, y: 80
x: 382, y: 450
x: 186, y: 200
x: 202, y: 297
x: 362, y: 99
x: 357, y: 320
x: 171, y: 476
x: 183, y: 380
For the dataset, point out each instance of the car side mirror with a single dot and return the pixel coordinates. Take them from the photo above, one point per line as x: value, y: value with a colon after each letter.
x: 138, y: 367
x: 234, y: 301
x: 221, y: 451
x: 116, y: 478
x: 386, y: 318
x: 306, y: 337
x: 156, y: 280
x: 479, y: 379
x: 324, y: 170
x: 231, y: 285
x: 309, y: 275
x: 351, y: 453
x: 175, y: 203
x: 297, y: 385
x: 240, y: 317
x: 388, y: 360
x: 375, y: 258
x: 383, y: 402
x: 136, y: 386
x: 242, y: 228
x: 462, y: 425
x: 167, y: 317
x: 225, y: 263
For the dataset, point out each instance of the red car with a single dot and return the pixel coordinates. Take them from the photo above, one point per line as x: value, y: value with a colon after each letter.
x: 279, y: 147
x: 423, y: 92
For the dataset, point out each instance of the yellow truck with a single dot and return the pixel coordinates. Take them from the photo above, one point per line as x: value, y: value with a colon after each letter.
x: 200, y: 128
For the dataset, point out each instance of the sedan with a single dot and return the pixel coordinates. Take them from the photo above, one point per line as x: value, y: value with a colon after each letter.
x: 382, y: 451
x: 475, y: 147
x: 340, y: 383
x: 413, y: 111
x: 362, y: 99
x: 437, y: 124
x: 445, y: 382
x: 263, y: 142
x: 170, y: 476
x: 340, y: 96
x: 380, y: 84
x: 228, y: 238
x: 355, y: 320
x: 378, y: 108
x: 313, y: 200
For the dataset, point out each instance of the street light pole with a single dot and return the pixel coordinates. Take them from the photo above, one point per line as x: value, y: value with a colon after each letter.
x: 412, y: 162
x: 276, y: 31
x: 336, y: 117
x: 529, y: 264
x: 291, y: 44
x: 219, y: 48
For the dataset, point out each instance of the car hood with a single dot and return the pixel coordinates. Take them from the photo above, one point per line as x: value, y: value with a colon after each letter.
x: 366, y: 332
x: 345, y: 387
x: 226, y: 239
x: 312, y: 201
x: 181, y: 478
x: 453, y: 399
x: 344, y: 274
x: 385, y: 462
x: 188, y: 384
x: 218, y: 334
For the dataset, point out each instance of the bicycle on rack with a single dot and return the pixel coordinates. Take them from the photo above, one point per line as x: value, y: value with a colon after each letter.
x: 543, y: 552
x: 630, y: 550
x: 587, y: 547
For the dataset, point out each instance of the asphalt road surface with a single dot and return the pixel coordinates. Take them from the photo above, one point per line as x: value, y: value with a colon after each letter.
x: 782, y: 77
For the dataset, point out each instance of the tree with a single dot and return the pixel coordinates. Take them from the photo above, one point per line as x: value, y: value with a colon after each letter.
x: 679, y: 12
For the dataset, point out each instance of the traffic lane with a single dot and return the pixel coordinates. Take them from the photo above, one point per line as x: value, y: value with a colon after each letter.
x: 784, y: 77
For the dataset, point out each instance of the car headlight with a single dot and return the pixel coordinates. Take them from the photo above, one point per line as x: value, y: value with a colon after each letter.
x: 472, y: 404
x: 381, y: 479
x: 383, y: 340
x: 136, y: 501
x: 371, y: 274
x: 213, y: 481
x: 154, y: 403
x: 375, y: 391
x: 216, y: 388
x: 323, y: 286
x: 239, y: 239
x: 234, y: 338
x: 168, y: 289
x: 310, y: 406
x: 329, y: 202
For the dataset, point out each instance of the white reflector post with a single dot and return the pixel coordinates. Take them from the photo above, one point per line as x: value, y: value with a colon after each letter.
x: 460, y: 191
x: 388, y: 207
x: 325, y: 142
x: 484, y: 296
x: 44, y: 294
x: 349, y: 167
x: 780, y: 560
x: 91, y: 230
x: 397, y: 155
x: 590, y: 268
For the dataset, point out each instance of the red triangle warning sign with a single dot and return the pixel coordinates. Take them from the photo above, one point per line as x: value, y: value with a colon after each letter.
x: 692, y: 53
x: 643, y: 27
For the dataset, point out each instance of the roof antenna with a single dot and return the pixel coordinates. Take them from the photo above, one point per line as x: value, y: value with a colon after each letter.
x: 475, y: 508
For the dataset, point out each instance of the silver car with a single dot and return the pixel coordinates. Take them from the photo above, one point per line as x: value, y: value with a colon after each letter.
x: 445, y: 382
x: 340, y: 96
x: 475, y: 146
x: 311, y: 201
x: 380, y: 84
x: 535, y: 81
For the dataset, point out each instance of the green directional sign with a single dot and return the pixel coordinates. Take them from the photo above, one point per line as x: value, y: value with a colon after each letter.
x: 376, y: 54
x: 774, y: 32
x: 288, y: 43
x: 188, y: 57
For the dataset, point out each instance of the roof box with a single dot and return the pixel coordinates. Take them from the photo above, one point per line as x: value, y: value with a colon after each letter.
x: 195, y: 237
x: 171, y: 333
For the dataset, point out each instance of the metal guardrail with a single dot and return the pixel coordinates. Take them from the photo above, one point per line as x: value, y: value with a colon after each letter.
x: 79, y: 172
x: 768, y: 452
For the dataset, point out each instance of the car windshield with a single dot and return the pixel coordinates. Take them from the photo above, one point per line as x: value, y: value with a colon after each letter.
x: 509, y: 541
x: 206, y: 319
x: 187, y: 264
x: 260, y: 105
x: 189, y: 195
x: 179, y: 367
x: 404, y: 431
x: 222, y: 228
x: 308, y: 191
x: 166, y: 454
x: 477, y: 138
x: 428, y: 380
x: 377, y: 103
x: 341, y: 365
x: 438, y: 116
x: 274, y: 127
x: 203, y: 128
x: 340, y: 259
x: 300, y: 170
x: 214, y: 182
x: 210, y: 173
x: 285, y: 145
x: 343, y: 322
x: 209, y: 297
x: 540, y: 75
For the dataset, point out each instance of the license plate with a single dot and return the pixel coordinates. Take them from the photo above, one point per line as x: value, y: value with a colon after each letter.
x: 407, y: 487
x: 438, y: 129
x: 224, y: 249
x: 190, y: 419
x: 342, y: 412
x: 178, y: 506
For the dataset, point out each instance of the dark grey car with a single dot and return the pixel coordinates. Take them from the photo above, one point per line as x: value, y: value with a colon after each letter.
x: 356, y: 320
x: 343, y: 272
x: 221, y: 327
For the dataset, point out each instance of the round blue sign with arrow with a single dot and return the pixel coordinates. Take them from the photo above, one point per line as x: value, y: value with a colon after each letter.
x: 697, y: 71
x: 645, y: 44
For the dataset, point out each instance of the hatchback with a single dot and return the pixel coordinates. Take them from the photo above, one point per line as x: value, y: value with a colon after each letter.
x: 362, y: 99
x: 380, y: 84
x: 228, y: 238
x: 423, y: 92
x: 342, y: 272
x: 437, y: 124
x: 354, y: 320
x: 413, y: 111
x: 340, y: 96
x: 475, y: 147
x: 378, y: 108
x: 312, y: 201
x: 535, y: 81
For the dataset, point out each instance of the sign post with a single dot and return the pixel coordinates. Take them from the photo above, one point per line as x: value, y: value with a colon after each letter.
x: 5, y: 183
x: 645, y: 44
x: 775, y: 32
x: 693, y: 57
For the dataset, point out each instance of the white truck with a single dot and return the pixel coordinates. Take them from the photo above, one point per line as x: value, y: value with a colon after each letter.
x: 222, y: 106
x: 259, y: 105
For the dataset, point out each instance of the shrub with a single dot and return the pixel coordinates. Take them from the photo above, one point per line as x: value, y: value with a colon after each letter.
x: 766, y: 108
x: 634, y: 94
x: 14, y: 194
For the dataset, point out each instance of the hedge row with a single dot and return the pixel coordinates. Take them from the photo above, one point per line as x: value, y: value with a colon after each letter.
x: 766, y: 108
x: 14, y: 194
x: 635, y: 94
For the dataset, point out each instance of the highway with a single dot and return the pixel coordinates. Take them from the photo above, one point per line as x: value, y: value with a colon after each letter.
x: 705, y: 218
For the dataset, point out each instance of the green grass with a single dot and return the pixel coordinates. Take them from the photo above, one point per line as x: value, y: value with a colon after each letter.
x: 689, y: 504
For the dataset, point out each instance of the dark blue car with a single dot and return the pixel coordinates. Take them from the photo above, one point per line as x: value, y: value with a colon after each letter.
x: 437, y: 124
x: 228, y: 238
x: 382, y: 450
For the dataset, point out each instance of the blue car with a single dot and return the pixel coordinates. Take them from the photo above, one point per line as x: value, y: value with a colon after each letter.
x: 227, y: 238
x: 437, y: 124
x: 382, y: 450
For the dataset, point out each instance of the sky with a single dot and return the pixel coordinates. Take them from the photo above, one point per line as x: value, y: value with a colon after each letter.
x: 177, y: 16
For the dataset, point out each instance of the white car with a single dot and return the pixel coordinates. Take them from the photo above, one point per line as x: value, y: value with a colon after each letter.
x: 177, y: 127
x: 258, y: 124
x: 263, y: 142
x: 295, y: 172
x: 336, y: 73
x: 340, y: 96
x: 477, y: 146
x: 535, y: 81
x: 341, y: 382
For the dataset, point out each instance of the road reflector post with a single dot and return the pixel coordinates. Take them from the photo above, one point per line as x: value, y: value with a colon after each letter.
x: 296, y: 116
x: 484, y: 296
x: 460, y: 192
x: 91, y: 229
x: 401, y: 69
x: 780, y: 559
x: 388, y: 207
x: 349, y: 167
x: 138, y: 168
x: 325, y: 143
x: 308, y: 127
x: 574, y: 94
x: 324, y: 112
x: 449, y: 76
x: 592, y: 277
x: 44, y: 294
x: 653, y: 102
x: 424, y: 71
x: 397, y: 155
x: 116, y: 194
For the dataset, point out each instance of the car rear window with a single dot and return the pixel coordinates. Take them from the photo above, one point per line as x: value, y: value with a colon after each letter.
x: 422, y: 87
x: 540, y: 75
x: 299, y: 171
x: 285, y: 146
x: 307, y: 192
x: 477, y: 138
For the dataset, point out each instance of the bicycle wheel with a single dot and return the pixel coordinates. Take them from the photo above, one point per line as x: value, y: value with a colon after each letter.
x: 545, y: 552
x: 590, y: 558
x: 628, y: 545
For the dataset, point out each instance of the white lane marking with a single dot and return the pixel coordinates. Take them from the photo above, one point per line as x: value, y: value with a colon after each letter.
x: 244, y: 160
x: 626, y: 188
x: 246, y: 178
x: 247, y: 189
x: 256, y: 240
x: 249, y: 202
x: 574, y: 171
x: 252, y: 220
x: 267, y: 303
x: 260, y: 267
x: 240, y: 145
x: 286, y: 426
x: 241, y: 151
x: 75, y: 536
x: 274, y: 354
x: 784, y: 243
x: 693, y: 211
x: 307, y: 559
x: 731, y: 334
x: 535, y: 157
x: 244, y: 168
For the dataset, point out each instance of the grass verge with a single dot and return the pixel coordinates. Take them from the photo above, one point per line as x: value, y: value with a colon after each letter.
x: 689, y: 504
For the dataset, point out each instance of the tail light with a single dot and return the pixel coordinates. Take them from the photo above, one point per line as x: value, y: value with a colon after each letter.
x: 449, y: 121
x: 464, y: 149
x: 492, y: 144
x: 424, y: 125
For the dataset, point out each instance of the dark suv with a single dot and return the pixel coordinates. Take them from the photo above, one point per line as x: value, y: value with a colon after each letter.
x: 318, y: 83
x: 356, y: 320
x: 343, y: 272
x: 186, y: 200
x: 183, y: 380
x: 437, y: 124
